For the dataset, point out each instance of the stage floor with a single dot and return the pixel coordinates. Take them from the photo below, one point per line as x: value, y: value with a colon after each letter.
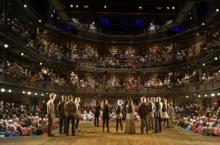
x: 89, y: 135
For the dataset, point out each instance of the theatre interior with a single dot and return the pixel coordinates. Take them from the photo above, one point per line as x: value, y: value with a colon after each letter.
x: 109, y: 72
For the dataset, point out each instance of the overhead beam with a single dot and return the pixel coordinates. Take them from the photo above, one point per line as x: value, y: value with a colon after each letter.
x: 184, y: 11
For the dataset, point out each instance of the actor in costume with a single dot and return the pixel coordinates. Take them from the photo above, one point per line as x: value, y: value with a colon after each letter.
x: 119, y: 115
x: 50, y: 113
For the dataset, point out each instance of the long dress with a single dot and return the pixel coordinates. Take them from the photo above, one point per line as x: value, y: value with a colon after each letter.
x: 130, y: 121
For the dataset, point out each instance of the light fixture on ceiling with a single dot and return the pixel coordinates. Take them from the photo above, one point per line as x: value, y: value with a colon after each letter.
x: 203, y: 64
x: 71, y: 5
x: 22, y: 53
x: 168, y: 7
x: 77, y: 6
x: 6, y: 45
x: 2, y: 90
x: 25, y: 5
x: 203, y: 24
x: 173, y: 7
x: 105, y: 6
x: 216, y: 58
x: 9, y: 90
x: 217, y: 10
x: 140, y: 8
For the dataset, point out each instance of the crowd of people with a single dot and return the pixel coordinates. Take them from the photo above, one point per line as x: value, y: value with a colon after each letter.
x: 88, y: 80
x: 17, y: 119
x: 205, y: 121
x: 153, y: 114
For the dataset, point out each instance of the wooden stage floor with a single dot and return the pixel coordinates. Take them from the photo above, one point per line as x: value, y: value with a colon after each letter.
x: 90, y: 135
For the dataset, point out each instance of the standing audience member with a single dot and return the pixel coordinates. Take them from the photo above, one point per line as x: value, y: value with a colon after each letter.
x: 171, y: 113
x: 70, y: 109
x: 50, y: 113
x: 97, y: 113
x: 130, y: 118
x: 119, y: 115
x: 105, y: 115
x: 61, y: 114
x: 77, y: 102
x: 165, y: 115
x: 143, y: 113
x: 157, y: 115
x: 151, y: 109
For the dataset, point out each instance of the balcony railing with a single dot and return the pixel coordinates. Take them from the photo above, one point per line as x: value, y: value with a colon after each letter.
x: 192, y: 88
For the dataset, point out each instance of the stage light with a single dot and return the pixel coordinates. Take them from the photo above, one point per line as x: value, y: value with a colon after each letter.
x: 187, y: 97
x: 218, y: 94
x: 51, y: 15
x: 206, y: 95
x: 22, y: 54
x: 140, y: 8
x: 199, y: 96
x: 217, y: 10
x: 23, y: 92
x: 77, y: 6
x: 203, y: 64
x: 93, y: 22
x: 29, y: 93
x: 213, y: 94
x: 168, y: 8
x: 41, y: 63
x: 105, y: 6
x: 2, y: 90
x: 173, y: 7
x: 203, y: 24
x: 216, y: 58
x: 71, y: 5
x: 42, y: 94
x: 25, y: 5
x: 6, y: 45
x: 35, y: 94
x: 39, y: 20
x: 9, y: 90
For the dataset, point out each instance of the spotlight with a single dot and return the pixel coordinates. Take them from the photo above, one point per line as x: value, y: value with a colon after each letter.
x: 25, y: 5
x: 206, y: 95
x: 6, y: 45
x: 23, y: 92
x: 22, y: 54
x: 42, y: 94
x: 77, y: 6
x: 2, y: 90
x: 9, y: 90
x: 140, y: 8
x: 199, y: 96
x: 105, y: 6
x: 39, y: 20
x: 217, y: 10
x: 203, y: 64
x: 187, y: 97
x: 41, y: 63
x: 168, y: 8
x: 213, y: 94
x: 51, y: 15
x: 35, y: 94
x: 71, y: 5
x: 29, y: 93
x: 218, y: 94
x: 203, y: 24
x: 173, y: 7
x: 216, y: 58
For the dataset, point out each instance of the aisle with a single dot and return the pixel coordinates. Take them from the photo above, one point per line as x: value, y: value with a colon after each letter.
x: 90, y: 135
